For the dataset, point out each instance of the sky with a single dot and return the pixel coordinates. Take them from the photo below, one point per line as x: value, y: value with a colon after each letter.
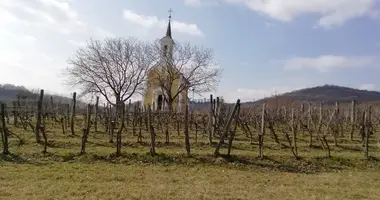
x: 264, y: 47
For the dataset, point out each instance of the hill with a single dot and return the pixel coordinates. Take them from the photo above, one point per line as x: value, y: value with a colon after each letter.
x: 327, y: 94
x: 9, y: 92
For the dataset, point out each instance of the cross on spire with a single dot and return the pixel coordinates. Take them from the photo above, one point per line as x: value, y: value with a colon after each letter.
x: 169, y: 29
x: 170, y: 13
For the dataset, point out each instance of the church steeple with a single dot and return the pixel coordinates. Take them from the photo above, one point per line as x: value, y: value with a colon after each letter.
x: 169, y: 29
x: 167, y: 42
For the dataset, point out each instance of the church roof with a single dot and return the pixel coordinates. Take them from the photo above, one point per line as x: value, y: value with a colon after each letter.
x: 169, y: 30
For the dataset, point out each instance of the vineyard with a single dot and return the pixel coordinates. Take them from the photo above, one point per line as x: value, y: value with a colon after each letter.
x: 226, y: 144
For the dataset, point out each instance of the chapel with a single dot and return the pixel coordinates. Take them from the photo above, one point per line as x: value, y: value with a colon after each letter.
x: 154, y: 95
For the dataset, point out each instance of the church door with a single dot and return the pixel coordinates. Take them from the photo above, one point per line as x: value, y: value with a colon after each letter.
x: 159, y: 102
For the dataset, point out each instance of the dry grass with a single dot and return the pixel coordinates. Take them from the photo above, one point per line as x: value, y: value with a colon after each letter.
x: 64, y: 174
x: 116, y: 181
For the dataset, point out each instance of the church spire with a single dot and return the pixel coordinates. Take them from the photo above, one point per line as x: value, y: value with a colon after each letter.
x: 169, y: 29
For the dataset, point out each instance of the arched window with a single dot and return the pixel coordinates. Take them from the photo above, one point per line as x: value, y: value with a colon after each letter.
x: 165, y: 51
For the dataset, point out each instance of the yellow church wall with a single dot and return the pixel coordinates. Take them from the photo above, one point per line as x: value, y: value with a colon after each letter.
x: 151, y: 84
x: 148, y: 95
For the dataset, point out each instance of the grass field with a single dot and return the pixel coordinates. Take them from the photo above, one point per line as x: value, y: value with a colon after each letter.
x: 62, y: 173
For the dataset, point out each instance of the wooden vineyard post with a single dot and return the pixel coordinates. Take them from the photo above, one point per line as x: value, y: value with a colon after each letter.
x: 106, y: 117
x: 134, y: 120
x: 368, y: 130
x: 294, y: 132
x: 43, y: 130
x: 52, y: 111
x: 186, y: 130
x: 262, y: 133
x: 231, y: 138
x: 336, y: 124
x: 217, y: 118
x: 300, y: 114
x: 15, y: 113
x: 152, y: 134
x: 86, y: 130
x: 67, y: 117
x: 72, y: 118
x: 226, y: 129
x: 352, y: 119
x: 211, y: 121
x: 4, y: 131
x: 141, y: 117
x: 96, y: 113
x: 39, y: 116
x: 309, y: 123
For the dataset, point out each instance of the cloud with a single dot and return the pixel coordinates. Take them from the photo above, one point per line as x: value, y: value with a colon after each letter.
x: 7, y: 35
x: 56, y: 14
x: 20, y: 66
x: 193, y: 2
x: 76, y: 43
x: 368, y: 86
x: 326, y: 63
x: 37, y: 37
x: 46, y: 15
x: 331, y: 12
x: 202, y: 2
x: 253, y: 94
x: 154, y: 22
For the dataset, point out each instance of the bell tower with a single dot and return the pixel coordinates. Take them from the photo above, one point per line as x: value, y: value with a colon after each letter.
x: 167, y: 41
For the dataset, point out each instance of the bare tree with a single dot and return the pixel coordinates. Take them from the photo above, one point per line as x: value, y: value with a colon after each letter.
x: 115, y: 68
x: 187, y: 67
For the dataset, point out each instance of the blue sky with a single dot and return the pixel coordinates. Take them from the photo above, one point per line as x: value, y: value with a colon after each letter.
x: 264, y: 47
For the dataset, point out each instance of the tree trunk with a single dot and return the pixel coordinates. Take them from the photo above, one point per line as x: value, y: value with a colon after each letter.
x: 170, y: 101
x: 119, y: 107
x: 118, y: 137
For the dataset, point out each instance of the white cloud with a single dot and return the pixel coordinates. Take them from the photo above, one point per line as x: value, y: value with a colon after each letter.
x: 252, y: 94
x: 327, y: 63
x: 193, y: 2
x: 154, y: 22
x: 35, y: 38
x: 202, y: 2
x: 46, y: 15
x: 76, y: 43
x: 331, y: 12
x: 51, y: 14
x: 368, y: 86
